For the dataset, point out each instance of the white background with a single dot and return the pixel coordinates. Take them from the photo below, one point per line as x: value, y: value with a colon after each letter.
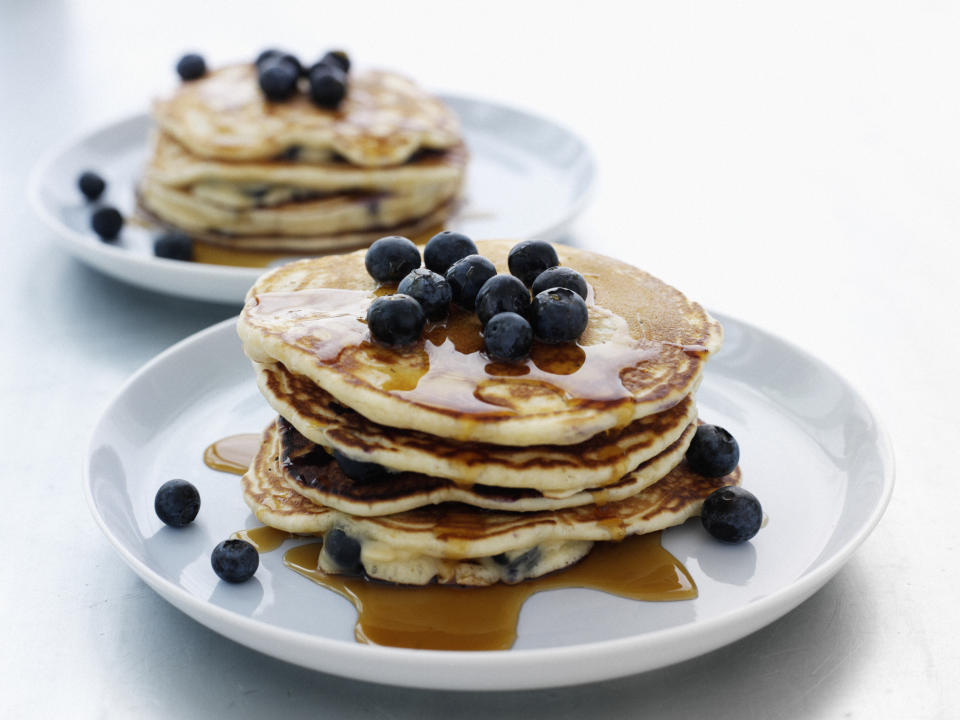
x: 794, y: 165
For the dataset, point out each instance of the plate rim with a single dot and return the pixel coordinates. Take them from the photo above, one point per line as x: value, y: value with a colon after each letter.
x: 79, y: 245
x: 498, y: 669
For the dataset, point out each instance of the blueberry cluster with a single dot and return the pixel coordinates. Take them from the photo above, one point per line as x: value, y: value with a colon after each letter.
x: 455, y: 272
x: 730, y: 514
x: 107, y: 222
x: 279, y: 73
x: 177, y: 503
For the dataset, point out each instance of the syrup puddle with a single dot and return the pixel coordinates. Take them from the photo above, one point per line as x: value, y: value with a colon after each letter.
x: 441, y: 617
x: 232, y: 454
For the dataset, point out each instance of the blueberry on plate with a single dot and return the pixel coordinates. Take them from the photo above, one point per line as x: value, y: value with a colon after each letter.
x: 732, y: 514
x: 357, y: 469
x: 529, y: 258
x: 235, y: 560
x: 560, y: 277
x: 328, y: 85
x: 174, y: 246
x: 395, y: 319
x: 466, y: 276
x: 713, y: 452
x: 507, y: 337
x: 390, y: 258
x: 91, y: 185
x: 177, y: 503
x: 559, y: 315
x: 278, y: 79
x: 432, y: 291
x: 191, y: 66
x: 502, y: 293
x: 338, y: 58
x: 107, y: 222
x: 343, y: 551
x: 444, y: 249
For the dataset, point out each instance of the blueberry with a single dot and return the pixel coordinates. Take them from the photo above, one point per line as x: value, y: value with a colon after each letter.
x: 507, y: 337
x: 359, y: 470
x: 396, y: 319
x: 343, y: 551
x: 713, y: 452
x: 529, y: 258
x: 559, y: 315
x: 91, y: 185
x: 328, y: 85
x: 235, y: 560
x: 267, y: 54
x: 518, y: 565
x: 732, y: 514
x: 560, y: 277
x: 432, y: 291
x: 177, y: 503
x: 274, y: 54
x: 278, y: 79
x: 107, y: 222
x: 466, y: 276
x: 445, y: 248
x: 338, y: 58
x: 502, y: 293
x: 191, y: 67
x: 174, y: 245
x: 390, y: 258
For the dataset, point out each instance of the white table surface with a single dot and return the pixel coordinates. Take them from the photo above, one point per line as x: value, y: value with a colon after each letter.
x: 795, y: 165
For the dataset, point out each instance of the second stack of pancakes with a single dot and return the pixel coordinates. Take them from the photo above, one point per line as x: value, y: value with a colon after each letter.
x: 231, y: 168
x: 432, y: 463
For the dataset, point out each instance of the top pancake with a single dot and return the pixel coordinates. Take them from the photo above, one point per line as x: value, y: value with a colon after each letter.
x: 644, y: 350
x: 383, y: 120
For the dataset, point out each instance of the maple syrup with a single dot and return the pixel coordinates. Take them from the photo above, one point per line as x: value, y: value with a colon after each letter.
x: 441, y: 617
x: 219, y: 255
x: 446, y: 368
x: 264, y: 538
x: 232, y: 454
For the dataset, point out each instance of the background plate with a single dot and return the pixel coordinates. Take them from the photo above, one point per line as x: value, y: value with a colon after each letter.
x: 527, y: 178
x: 811, y: 450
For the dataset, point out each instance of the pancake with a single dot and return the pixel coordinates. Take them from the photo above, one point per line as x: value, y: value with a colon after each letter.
x: 455, y: 543
x: 643, y: 351
x: 310, y: 470
x: 327, y: 215
x: 383, y: 120
x: 555, y: 471
x: 312, y: 243
x: 171, y: 164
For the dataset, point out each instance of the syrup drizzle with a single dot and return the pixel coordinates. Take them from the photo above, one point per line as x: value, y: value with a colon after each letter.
x: 447, y: 369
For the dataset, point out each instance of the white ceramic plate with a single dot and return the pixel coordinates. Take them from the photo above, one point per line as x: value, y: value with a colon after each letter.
x: 811, y: 450
x: 527, y: 178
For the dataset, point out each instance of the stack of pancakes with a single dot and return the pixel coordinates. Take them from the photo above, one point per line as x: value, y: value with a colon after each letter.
x: 231, y: 168
x: 492, y: 472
